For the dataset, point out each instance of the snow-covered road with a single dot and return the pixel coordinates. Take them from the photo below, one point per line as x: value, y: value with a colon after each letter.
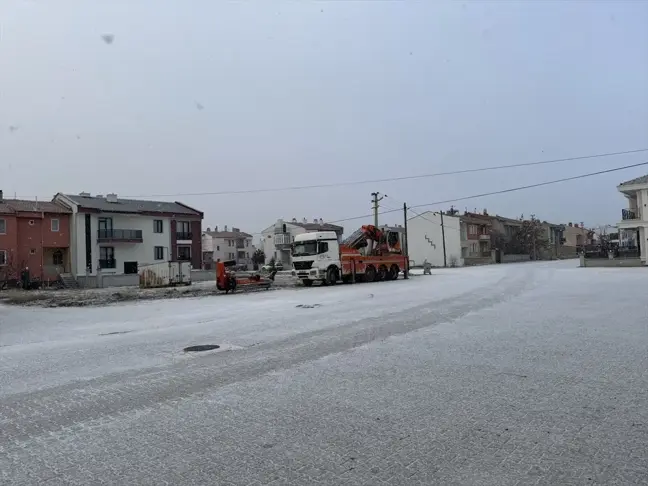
x: 540, y: 366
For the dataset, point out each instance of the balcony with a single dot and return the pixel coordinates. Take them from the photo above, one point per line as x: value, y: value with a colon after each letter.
x: 108, y: 263
x: 184, y: 235
x: 484, y: 237
x: 107, y: 235
x: 283, y: 240
x: 627, y: 214
x: 240, y: 244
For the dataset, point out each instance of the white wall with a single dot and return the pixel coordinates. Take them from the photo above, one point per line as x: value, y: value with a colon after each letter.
x: 269, y: 248
x: 142, y: 253
x: 425, y: 242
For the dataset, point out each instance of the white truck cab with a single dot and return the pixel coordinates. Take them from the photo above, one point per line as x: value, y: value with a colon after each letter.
x: 316, y: 257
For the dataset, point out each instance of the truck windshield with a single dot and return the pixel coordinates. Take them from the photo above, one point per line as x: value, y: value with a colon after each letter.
x: 305, y: 248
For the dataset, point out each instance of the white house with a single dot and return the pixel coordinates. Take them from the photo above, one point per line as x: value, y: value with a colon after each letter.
x: 425, y: 239
x: 278, y: 238
x: 112, y: 237
x: 227, y: 244
x: 635, y: 217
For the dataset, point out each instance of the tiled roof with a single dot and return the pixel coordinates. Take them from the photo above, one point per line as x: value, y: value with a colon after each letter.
x: 228, y: 234
x: 319, y: 227
x: 131, y: 205
x: 26, y: 206
x: 638, y: 180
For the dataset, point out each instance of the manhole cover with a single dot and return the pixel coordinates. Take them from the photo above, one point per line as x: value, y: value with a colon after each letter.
x: 201, y: 347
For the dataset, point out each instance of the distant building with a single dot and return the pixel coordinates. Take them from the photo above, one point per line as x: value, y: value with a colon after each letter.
x: 425, y: 239
x: 113, y: 237
x: 475, y: 231
x: 34, y: 235
x: 634, y: 218
x: 225, y: 245
x: 278, y: 238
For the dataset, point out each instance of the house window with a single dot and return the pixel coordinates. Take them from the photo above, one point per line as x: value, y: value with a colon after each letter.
x: 247, y: 243
x: 247, y: 254
x: 130, y: 268
x: 183, y: 230
x: 3, y: 257
x: 472, y: 229
x: 31, y: 222
x: 3, y: 227
x: 32, y: 251
x: 184, y: 253
x: 158, y: 226
x: 55, y: 225
x: 217, y: 247
x: 159, y: 252
x: 107, y: 257
x: 57, y: 257
x: 229, y: 242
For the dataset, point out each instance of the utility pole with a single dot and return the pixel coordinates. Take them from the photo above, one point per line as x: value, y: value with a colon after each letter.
x: 445, y: 262
x: 406, y: 246
x: 375, y: 200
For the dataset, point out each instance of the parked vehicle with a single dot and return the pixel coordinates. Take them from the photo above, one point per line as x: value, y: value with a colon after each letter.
x: 370, y: 254
x: 165, y: 274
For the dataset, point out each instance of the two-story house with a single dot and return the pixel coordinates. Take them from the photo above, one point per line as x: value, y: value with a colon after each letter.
x: 278, y: 238
x: 227, y: 244
x: 113, y: 236
x: 634, y: 218
x: 34, y: 235
x: 475, y: 231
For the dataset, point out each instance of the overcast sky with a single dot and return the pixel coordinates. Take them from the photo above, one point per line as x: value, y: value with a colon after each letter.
x: 204, y: 96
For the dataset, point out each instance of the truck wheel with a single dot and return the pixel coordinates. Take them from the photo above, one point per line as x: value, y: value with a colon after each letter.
x: 332, y: 276
x: 382, y: 273
x: 307, y: 283
x: 370, y: 273
x: 394, y: 271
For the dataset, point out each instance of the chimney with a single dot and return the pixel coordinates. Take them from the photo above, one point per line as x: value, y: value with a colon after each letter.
x: 321, y: 221
x: 294, y: 220
x: 570, y: 225
x: 215, y: 228
x: 236, y: 230
x: 315, y: 221
x: 208, y: 229
x: 305, y: 220
x: 485, y: 212
x: 1, y: 196
x: 112, y: 197
x: 225, y: 228
x: 84, y: 194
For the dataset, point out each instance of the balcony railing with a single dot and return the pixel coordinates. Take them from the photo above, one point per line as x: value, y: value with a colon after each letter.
x: 108, y: 263
x: 627, y: 214
x: 119, y: 235
x: 184, y: 235
x: 484, y: 237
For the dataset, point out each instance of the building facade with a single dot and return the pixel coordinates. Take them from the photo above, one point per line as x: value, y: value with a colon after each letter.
x: 225, y: 245
x: 278, y: 238
x: 425, y: 240
x: 475, y: 230
x: 634, y: 217
x: 113, y: 236
x: 34, y: 235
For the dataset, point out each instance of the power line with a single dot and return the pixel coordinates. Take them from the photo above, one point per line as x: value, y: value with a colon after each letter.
x: 392, y: 179
x: 503, y: 191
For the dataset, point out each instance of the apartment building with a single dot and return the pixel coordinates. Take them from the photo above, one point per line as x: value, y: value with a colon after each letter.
x: 34, y: 235
x: 227, y: 244
x: 113, y: 237
x: 278, y: 238
x: 475, y: 230
x: 634, y: 217
x: 426, y: 239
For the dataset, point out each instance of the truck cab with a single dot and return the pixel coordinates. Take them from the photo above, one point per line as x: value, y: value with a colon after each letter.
x: 316, y: 257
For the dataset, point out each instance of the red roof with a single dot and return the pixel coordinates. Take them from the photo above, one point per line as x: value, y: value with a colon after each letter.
x: 12, y: 206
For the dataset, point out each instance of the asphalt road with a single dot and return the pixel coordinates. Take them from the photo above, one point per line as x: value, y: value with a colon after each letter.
x: 498, y: 375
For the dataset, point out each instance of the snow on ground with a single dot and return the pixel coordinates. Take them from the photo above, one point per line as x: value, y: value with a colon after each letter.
x: 529, y: 373
x: 88, y: 342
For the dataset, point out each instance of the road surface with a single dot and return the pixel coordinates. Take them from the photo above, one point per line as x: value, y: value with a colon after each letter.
x: 529, y: 373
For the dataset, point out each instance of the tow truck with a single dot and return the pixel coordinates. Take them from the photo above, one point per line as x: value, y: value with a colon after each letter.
x: 370, y: 254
